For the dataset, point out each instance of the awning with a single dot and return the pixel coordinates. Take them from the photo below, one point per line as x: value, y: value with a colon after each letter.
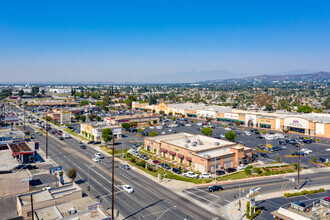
x: 180, y: 155
x: 172, y: 153
x: 189, y: 159
x: 163, y: 150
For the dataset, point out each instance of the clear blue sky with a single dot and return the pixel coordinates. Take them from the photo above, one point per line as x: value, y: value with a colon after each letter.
x: 136, y: 40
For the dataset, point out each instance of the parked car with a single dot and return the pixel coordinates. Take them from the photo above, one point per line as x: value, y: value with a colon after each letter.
x: 281, y: 142
x: 327, y: 199
x: 264, y: 155
x: 241, y: 167
x: 302, y: 204
x: 176, y: 170
x: 191, y: 174
x: 307, y: 141
x: 144, y: 157
x: 215, y: 188
x: 90, y: 142
x: 82, y: 146
x: 230, y: 170
x: 156, y: 161
x: 126, y: 167
x: 205, y: 175
x: 99, y: 155
x: 128, y: 188
x: 220, y: 172
x: 306, y: 151
x: 165, y: 166
x: 97, y: 142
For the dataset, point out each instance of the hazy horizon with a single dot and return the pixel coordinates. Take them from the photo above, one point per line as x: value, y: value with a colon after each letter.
x: 160, y: 41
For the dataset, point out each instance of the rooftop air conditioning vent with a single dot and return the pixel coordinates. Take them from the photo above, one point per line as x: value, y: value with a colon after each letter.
x: 207, y: 156
x: 193, y: 143
x: 188, y: 141
x: 186, y: 145
x: 200, y: 143
x: 216, y: 143
x: 71, y: 211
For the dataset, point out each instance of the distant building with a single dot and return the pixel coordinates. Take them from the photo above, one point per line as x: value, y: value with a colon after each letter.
x: 61, y: 116
x: 138, y: 118
x: 94, y: 130
x: 201, y: 153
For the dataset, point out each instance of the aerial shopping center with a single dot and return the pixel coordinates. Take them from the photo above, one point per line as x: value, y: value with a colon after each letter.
x: 314, y: 124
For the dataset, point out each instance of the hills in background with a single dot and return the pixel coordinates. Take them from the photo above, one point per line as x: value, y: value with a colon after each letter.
x: 319, y: 76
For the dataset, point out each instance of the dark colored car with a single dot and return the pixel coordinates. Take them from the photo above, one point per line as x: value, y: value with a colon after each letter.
x: 281, y: 142
x: 90, y: 142
x: 165, y: 165
x: 302, y: 204
x: 230, y: 170
x: 176, y: 170
x: 31, y: 167
x: 97, y: 142
x: 257, y: 132
x: 82, y: 146
x: 307, y: 141
x: 126, y: 167
x: 261, y: 137
x: 61, y: 138
x: 143, y: 156
x: 264, y: 155
x: 238, y: 133
x: 322, y: 159
x: 156, y: 161
x: 220, y: 172
x: 215, y: 188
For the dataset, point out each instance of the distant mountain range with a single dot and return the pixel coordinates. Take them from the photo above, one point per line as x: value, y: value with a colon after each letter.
x: 319, y: 76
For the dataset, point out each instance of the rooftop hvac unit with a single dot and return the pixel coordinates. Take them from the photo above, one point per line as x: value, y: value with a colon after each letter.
x: 188, y: 141
x: 71, y: 211
x: 216, y: 143
x: 207, y: 156
x: 186, y: 145
x: 200, y: 143
x: 193, y: 143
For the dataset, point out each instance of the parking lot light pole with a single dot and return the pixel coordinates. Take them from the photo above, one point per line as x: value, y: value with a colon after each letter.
x: 298, y: 167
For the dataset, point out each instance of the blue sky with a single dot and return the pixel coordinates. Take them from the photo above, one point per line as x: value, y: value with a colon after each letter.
x: 141, y: 40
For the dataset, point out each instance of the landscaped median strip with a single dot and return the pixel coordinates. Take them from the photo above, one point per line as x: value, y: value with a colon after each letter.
x: 304, y: 192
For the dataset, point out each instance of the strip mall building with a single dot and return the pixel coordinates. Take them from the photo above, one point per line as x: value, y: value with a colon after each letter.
x: 201, y: 153
x: 313, y: 124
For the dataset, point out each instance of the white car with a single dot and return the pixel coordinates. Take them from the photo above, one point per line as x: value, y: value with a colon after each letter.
x: 96, y: 160
x: 223, y: 136
x: 99, y: 156
x: 191, y: 175
x: 152, y: 127
x: 205, y: 175
x: 247, y: 133
x: 228, y: 129
x: 199, y: 124
x: 187, y: 125
x: 169, y: 130
x: 328, y: 149
x: 128, y: 188
x: 307, y: 151
x: 241, y: 167
x: 163, y: 132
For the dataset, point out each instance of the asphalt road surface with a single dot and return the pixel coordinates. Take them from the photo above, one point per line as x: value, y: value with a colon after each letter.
x: 149, y: 201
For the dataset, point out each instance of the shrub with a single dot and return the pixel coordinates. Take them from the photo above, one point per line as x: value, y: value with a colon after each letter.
x: 247, y: 170
x: 133, y: 160
x: 314, y: 159
x: 304, y: 192
x: 257, y: 170
x: 295, y: 166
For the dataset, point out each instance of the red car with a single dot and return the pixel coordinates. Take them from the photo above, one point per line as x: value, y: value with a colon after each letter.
x: 156, y: 161
x: 327, y: 199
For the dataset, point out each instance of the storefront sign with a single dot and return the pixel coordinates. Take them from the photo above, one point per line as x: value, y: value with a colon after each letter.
x: 296, y: 122
x: 231, y: 116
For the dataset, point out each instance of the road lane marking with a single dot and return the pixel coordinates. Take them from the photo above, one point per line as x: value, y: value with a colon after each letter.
x: 202, y: 198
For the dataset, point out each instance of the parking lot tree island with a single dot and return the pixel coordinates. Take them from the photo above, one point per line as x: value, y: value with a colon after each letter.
x: 230, y: 136
x: 207, y: 131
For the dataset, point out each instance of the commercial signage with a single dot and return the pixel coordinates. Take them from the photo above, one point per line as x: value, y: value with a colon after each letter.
x: 296, y: 122
x: 11, y: 119
x: 253, y: 195
x: 231, y: 116
x: 92, y: 206
x: 55, y: 169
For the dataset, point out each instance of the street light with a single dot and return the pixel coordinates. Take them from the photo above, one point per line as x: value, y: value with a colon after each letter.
x: 89, y: 166
x: 173, y: 207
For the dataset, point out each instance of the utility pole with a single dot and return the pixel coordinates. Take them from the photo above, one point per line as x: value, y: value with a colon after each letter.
x: 32, y: 207
x: 113, y: 178
x: 46, y: 136
x: 24, y: 114
x: 298, y: 167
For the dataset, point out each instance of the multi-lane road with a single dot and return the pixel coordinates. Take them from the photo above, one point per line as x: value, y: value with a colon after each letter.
x: 150, y: 199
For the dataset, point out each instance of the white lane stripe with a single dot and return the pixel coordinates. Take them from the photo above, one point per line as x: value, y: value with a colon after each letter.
x: 101, y: 176
x: 202, y: 198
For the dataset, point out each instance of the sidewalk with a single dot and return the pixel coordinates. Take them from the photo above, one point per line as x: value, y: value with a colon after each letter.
x: 232, y: 212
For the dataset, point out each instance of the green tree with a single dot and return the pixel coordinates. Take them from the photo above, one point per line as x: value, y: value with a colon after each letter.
x: 98, y: 118
x: 237, y: 123
x: 304, y: 109
x: 107, y: 135
x: 82, y: 103
x: 77, y: 117
x: 125, y: 125
x: 269, y: 107
x: 173, y: 118
x: 72, y: 173
x: 230, y: 136
x: 90, y: 117
x: 170, y: 113
x: 153, y: 133
x: 21, y: 92
x: 35, y: 90
x: 207, y: 131
x: 140, y: 130
x: 83, y: 118
x: 48, y: 118
x: 326, y: 103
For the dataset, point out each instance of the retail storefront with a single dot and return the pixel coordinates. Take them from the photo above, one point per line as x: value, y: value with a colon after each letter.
x: 298, y: 125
